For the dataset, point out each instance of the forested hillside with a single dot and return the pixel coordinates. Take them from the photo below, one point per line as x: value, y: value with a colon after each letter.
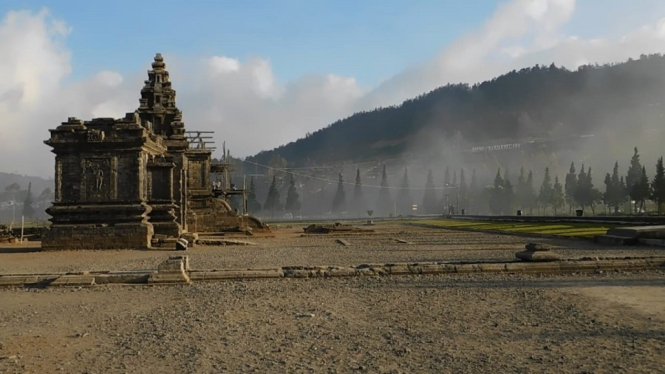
x: 537, y: 102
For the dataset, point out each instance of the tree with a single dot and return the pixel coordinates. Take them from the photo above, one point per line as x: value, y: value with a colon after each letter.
x: 497, y: 194
x: 614, y: 195
x: 586, y: 195
x: 658, y: 186
x: 272, y: 203
x: 339, y: 201
x: 474, y: 192
x: 571, y: 187
x: 429, y: 198
x: 546, y: 191
x: 608, y: 195
x: 530, y: 193
x: 28, y: 210
x: 404, y: 196
x: 292, y: 198
x: 522, y: 193
x: 558, y: 198
x: 385, y: 202
x: 508, y: 195
x: 253, y: 204
x: 633, y: 178
x: 463, y: 191
x: 358, y: 196
x: 641, y: 190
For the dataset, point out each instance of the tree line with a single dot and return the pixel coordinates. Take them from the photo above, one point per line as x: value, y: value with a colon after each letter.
x: 458, y: 194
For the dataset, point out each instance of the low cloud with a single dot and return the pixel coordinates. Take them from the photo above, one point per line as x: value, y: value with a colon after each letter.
x: 246, y: 104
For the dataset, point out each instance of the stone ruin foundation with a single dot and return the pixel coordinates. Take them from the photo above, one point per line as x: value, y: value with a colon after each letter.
x: 125, y: 183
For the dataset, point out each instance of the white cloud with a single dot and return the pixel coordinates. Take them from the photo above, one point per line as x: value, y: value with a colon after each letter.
x: 243, y: 100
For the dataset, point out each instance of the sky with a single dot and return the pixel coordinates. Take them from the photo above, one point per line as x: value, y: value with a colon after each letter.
x: 264, y: 73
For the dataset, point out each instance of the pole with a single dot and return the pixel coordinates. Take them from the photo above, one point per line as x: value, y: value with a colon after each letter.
x: 244, y: 202
x: 22, y: 224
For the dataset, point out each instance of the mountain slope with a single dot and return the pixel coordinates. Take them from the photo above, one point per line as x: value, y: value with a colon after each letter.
x: 537, y: 102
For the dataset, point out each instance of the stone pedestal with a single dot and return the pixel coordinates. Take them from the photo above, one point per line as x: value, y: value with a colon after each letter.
x: 98, y: 227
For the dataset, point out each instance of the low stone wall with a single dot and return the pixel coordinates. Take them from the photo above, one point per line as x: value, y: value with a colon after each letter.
x: 176, y: 271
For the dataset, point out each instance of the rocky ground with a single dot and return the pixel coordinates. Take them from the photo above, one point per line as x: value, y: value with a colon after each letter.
x: 578, y: 323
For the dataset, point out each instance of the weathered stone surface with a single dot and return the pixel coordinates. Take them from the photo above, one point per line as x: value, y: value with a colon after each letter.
x: 537, y: 256
x: 173, y: 270
x: 74, y: 280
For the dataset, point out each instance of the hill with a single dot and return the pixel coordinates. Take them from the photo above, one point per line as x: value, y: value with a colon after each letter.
x: 540, y: 102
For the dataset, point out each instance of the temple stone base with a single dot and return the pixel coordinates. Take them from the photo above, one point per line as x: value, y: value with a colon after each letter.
x: 90, y: 236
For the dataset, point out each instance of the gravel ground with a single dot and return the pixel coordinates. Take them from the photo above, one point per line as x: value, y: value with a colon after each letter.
x: 289, y: 247
x: 476, y: 323
x: 409, y: 324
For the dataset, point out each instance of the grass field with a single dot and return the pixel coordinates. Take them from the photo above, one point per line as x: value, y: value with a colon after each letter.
x: 578, y: 230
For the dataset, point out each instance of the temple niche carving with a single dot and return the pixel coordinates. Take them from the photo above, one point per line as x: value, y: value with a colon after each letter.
x: 128, y: 183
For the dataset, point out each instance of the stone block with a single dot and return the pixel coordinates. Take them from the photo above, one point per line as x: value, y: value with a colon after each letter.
x: 537, y: 256
x: 181, y: 244
x: 74, y: 280
x: 536, y: 247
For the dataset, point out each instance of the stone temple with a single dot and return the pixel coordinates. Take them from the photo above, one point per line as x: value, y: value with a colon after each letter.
x: 130, y: 183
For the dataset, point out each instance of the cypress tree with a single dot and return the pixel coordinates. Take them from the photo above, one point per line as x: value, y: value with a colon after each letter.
x: 358, y: 195
x: 272, y: 203
x: 339, y: 201
x: 429, y: 198
x: 497, y: 195
x: 531, y: 198
x: 253, y: 204
x: 293, y: 204
x: 546, y: 191
x: 28, y: 210
x: 474, y: 192
x: 404, y: 196
x: 558, y: 198
x: 634, y: 177
x: 571, y: 187
x: 463, y: 192
x: 385, y: 202
x: 658, y: 186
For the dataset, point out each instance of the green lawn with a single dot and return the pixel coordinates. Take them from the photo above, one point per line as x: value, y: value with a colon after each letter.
x: 581, y: 230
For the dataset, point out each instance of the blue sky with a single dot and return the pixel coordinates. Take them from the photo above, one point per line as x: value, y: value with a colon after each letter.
x: 369, y: 40
x: 281, y: 69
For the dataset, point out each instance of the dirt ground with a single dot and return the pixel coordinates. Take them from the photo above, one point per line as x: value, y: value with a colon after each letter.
x: 579, y: 323
x: 289, y: 247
